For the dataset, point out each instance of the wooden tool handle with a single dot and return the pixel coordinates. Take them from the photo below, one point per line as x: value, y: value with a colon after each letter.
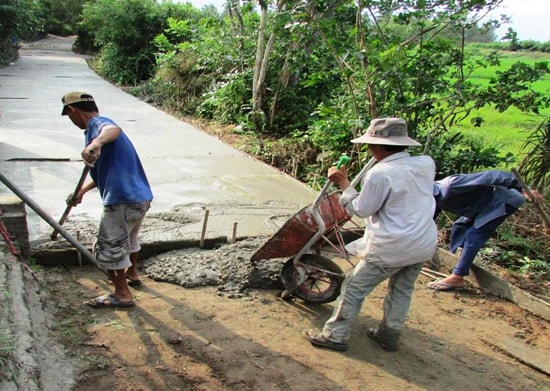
x: 70, y: 205
x: 541, y: 211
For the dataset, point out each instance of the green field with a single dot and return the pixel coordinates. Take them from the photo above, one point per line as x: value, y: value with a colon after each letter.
x: 506, y: 131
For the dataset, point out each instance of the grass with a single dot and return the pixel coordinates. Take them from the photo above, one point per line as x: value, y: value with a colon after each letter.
x: 482, y: 76
x: 506, y: 131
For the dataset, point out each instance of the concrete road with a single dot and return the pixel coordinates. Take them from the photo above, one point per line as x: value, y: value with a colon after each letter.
x: 189, y: 170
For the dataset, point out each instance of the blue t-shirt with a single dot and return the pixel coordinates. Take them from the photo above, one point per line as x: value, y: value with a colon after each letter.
x: 118, y: 173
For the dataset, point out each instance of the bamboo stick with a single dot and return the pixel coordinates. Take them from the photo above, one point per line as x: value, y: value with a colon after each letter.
x: 541, y: 211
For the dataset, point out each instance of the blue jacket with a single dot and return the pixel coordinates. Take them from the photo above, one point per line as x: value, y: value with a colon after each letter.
x: 481, y: 196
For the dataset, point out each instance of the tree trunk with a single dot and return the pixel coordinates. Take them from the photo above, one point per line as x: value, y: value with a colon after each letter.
x: 258, y: 64
x: 263, y: 52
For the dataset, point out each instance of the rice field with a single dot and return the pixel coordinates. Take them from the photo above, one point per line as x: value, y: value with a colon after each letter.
x: 506, y: 131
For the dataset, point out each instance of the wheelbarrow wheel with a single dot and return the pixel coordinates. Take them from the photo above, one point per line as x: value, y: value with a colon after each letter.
x: 320, y: 286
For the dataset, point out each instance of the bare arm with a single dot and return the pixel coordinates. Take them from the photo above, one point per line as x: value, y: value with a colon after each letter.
x: 537, y: 197
x: 339, y: 177
x: 80, y: 194
x: 109, y: 133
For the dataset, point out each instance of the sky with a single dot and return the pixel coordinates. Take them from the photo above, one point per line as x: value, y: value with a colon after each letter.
x: 529, y: 18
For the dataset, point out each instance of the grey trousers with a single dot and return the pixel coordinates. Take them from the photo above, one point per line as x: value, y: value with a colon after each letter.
x: 364, y: 278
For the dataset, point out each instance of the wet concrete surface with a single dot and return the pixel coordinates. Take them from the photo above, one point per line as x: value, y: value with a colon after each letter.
x: 190, y: 171
x: 205, y: 193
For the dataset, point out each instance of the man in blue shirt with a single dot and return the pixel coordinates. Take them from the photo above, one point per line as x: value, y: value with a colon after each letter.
x: 117, y: 173
x: 483, y: 201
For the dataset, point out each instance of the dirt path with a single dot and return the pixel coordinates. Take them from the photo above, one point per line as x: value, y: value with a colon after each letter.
x: 205, y: 338
x: 202, y: 339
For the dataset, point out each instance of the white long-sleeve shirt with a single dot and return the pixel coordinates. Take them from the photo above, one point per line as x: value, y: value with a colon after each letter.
x: 397, y: 202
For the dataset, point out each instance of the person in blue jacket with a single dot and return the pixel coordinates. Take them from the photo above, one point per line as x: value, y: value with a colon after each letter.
x: 118, y: 174
x: 483, y: 200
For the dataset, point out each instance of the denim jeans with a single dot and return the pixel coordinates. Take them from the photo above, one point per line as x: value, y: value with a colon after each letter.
x: 472, y: 239
x: 365, y: 277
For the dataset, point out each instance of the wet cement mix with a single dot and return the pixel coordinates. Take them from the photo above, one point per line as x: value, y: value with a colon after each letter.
x: 227, y: 267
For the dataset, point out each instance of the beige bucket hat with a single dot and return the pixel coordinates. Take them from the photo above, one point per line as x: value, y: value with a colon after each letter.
x: 387, y: 131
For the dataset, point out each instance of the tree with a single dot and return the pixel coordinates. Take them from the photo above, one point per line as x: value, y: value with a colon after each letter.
x: 124, y: 31
x: 62, y: 16
x: 263, y: 53
x: 512, y: 36
x: 19, y: 19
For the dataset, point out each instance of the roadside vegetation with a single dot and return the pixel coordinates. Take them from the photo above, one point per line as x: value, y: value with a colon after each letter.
x: 294, y: 81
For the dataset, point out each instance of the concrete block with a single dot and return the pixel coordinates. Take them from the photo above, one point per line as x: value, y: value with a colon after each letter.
x: 14, y: 217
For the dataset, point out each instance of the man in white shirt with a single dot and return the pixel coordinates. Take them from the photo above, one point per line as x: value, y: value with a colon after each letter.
x: 397, y: 203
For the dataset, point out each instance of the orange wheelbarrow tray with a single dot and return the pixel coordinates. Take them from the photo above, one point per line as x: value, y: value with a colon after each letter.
x: 297, y: 231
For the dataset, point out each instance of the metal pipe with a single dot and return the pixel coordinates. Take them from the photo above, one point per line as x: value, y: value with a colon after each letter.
x: 27, y: 200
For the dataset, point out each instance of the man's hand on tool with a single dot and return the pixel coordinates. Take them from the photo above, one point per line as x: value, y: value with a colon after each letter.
x: 339, y: 177
x: 75, y: 199
x: 537, y: 197
x: 90, y: 154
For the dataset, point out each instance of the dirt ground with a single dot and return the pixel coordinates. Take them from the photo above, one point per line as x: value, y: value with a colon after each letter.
x: 205, y: 338
x: 209, y: 338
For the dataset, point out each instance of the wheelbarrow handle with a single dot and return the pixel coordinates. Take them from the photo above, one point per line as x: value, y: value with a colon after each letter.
x: 321, y: 226
x: 354, y: 183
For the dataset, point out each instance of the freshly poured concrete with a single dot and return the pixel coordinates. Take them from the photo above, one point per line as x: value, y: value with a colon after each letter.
x: 189, y: 170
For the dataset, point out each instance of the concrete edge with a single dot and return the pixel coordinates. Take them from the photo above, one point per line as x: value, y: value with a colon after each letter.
x: 68, y: 255
x: 483, y: 278
x: 500, y: 287
x: 36, y: 360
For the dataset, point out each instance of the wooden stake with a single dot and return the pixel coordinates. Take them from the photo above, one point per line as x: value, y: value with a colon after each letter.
x: 234, y: 233
x: 204, y: 224
x: 434, y: 272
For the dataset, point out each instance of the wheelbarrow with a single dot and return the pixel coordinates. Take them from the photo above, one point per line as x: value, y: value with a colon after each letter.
x: 311, y: 234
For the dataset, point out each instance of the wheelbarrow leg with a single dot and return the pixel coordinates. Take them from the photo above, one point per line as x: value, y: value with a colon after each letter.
x: 288, y: 292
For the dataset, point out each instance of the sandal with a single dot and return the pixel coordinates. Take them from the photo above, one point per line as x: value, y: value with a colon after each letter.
x: 109, y: 301
x: 439, y: 285
x: 317, y: 339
